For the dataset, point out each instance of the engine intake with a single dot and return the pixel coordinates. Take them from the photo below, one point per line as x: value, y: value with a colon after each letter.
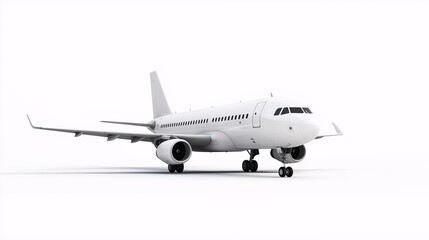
x: 289, y: 155
x: 174, y: 151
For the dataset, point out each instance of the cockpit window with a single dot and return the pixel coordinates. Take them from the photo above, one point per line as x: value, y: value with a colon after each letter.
x: 285, y: 110
x: 277, y: 111
x: 307, y: 110
x: 296, y: 110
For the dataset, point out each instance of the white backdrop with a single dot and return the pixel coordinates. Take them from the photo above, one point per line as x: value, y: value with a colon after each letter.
x: 72, y: 63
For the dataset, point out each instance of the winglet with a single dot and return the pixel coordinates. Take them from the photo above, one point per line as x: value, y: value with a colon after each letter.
x: 339, y: 132
x: 337, y: 129
x: 31, y: 124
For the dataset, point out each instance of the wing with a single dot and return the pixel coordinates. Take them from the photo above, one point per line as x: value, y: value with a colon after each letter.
x: 149, y: 125
x: 193, y: 139
x: 337, y: 129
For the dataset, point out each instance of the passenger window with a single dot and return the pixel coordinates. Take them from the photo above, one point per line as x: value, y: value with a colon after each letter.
x: 277, y: 112
x: 285, y: 110
x: 307, y: 110
x: 247, y: 116
x: 296, y: 110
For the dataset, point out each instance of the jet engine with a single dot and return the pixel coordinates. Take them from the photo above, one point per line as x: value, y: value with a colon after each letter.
x: 174, y: 151
x: 289, y: 155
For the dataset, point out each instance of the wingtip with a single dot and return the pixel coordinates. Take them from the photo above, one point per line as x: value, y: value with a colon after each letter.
x: 29, y: 120
x: 339, y: 132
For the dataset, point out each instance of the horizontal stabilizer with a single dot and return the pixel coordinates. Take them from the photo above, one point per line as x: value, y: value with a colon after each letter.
x: 149, y: 125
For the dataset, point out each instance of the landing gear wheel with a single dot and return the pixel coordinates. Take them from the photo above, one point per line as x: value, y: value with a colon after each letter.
x: 282, y: 172
x: 171, y: 168
x: 179, y: 168
x: 253, y: 166
x: 289, y: 172
x: 246, y: 165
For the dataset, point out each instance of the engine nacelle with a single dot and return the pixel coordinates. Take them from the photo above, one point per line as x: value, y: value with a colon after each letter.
x: 174, y: 151
x: 291, y: 155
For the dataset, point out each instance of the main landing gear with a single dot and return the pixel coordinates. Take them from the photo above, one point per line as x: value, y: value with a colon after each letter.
x: 251, y: 165
x: 176, y: 168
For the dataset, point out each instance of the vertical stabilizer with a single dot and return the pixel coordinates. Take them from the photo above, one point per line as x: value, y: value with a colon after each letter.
x: 159, y: 102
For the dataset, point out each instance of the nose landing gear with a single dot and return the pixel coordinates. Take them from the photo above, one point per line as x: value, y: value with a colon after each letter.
x: 285, y: 171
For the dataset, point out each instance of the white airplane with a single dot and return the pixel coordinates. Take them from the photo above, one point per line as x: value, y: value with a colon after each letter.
x: 270, y: 123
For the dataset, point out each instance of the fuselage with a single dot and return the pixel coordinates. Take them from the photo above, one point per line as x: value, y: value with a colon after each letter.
x: 255, y: 124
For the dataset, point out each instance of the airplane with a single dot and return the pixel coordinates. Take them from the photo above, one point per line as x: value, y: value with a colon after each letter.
x: 270, y: 123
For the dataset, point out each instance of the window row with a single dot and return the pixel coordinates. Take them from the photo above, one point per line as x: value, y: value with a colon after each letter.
x: 230, y: 118
x: 285, y: 110
x: 201, y: 121
x: 184, y: 123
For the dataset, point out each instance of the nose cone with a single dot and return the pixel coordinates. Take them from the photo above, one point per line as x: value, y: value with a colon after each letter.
x: 306, y: 129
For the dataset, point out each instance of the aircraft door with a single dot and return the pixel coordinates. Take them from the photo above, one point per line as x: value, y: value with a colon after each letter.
x: 257, y: 113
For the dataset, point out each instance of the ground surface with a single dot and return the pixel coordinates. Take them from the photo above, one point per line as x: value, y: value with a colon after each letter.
x: 213, y: 199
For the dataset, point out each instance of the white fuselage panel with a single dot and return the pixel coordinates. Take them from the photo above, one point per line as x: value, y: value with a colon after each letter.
x: 244, y: 125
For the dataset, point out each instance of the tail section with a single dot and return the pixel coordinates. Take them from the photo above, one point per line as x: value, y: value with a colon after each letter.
x: 159, y: 102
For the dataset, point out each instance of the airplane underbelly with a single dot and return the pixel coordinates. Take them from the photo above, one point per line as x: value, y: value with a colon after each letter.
x: 221, y: 142
x: 259, y: 138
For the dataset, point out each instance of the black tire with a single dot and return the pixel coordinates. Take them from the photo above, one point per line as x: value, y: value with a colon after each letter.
x: 253, y: 166
x: 180, y: 168
x: 282, y: 172
x: 171, y: 168
x: 289, y: 172
x: 246, y: 165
